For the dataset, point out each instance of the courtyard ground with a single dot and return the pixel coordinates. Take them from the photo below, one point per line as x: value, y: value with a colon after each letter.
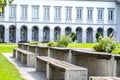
x: 8, y: 71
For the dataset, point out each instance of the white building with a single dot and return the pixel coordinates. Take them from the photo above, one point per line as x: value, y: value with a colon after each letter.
x: 44, y: 20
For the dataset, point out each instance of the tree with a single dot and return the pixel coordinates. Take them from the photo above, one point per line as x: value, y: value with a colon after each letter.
x: 98, y: 36
x: 3, y: 3
x: 73, y: 36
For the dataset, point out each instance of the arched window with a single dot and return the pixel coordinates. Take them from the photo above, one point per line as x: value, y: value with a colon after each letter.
x: 89, y: 35
x: 12, y: 34
x: 68, y: 31
x: 35, y: 33
x: 79, y: 34
x: 23, y: 33
x: 56, y: 33
x: 2, y: 32
x: 46, y: 34
x: 100, y: 30
x: 110, y: 31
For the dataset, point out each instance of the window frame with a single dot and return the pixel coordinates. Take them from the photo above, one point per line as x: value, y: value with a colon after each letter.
x: 68, y: 13
x: 35, y: 12
x: 100, y: 13
x: 24, y: 11
x: 12, y: 11
x: 79, y: 13
x: 46, y: 12
x: 57, y: 12
x: 110, y: 14
x: 89, y: 13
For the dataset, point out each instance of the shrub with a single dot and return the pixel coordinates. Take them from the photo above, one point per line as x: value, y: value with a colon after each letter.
x: 98, y: 36
x: 33, y: 43
x: 116, y: 51
x: 63, y: 41
x: 52, y: 44
x: 106, y: 44
x: 73, y: 36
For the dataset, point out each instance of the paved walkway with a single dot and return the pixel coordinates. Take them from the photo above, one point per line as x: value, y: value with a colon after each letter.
x: 28, y: 73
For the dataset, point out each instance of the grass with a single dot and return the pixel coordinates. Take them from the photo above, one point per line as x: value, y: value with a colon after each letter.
x: 77, y: 45
x: 81, y: 45
x: 7, y: 47
x: 7, y: 70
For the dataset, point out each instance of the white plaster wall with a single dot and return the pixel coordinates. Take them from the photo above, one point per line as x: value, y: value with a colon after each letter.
x: 62, y: 25
x: 63, y: 4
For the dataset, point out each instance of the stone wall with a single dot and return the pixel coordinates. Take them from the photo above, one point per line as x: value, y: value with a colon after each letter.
x: 97, y: 63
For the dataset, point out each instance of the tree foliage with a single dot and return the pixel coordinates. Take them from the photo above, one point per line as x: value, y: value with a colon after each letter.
x: 73, y: 36
x: 3, y: 3
x: 106, y: 44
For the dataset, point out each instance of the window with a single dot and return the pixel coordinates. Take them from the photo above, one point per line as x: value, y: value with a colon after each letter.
x: 68, y: 13
x: 100, y: 13
x: 90, y: 14
x: 24, y: 11
x: 57, y: 12
x: 46, y: 12
x: 12, y: 11
x: 2, y: 12
x: 110, y: 14
x: 35, y: 12
x: 79, y: 13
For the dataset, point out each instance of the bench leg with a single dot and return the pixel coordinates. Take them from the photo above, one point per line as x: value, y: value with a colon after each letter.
x: 31, y: 60
x: 18, y: 55
x: 23, y: 58
x: 40, y: 65
x: 14, y: 53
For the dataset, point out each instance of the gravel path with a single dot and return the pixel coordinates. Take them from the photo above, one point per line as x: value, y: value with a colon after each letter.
x: 28, y: 73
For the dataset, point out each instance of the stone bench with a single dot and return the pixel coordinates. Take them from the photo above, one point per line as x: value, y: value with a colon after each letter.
x: 98, y: 63
x: 60, y: 70
x: 61, y: 53
x: 42, y: 50
x: 103, y: 78
x: 14, y: 52
x: 25, y: 56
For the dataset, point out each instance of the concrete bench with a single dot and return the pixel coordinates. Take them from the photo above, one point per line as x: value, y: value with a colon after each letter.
x: 32, y: 48
x: 98, y: 63
x: 103, y: 78
x: 60, y: 70
x: 61, y: 53
x: 14, y: 52
x: 20, y: 45
x: 25, y: 57
x: 42, y: 50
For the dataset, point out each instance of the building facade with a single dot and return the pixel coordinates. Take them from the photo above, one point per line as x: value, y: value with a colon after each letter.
x: 45, y: 20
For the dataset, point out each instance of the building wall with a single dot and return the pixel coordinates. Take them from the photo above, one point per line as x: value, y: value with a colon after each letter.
x: 84, y: 24
x: 118, y: 22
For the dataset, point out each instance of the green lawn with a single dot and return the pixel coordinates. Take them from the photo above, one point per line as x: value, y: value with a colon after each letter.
x: 77, y: 45
x: 81, y: 45
x: 7, y: 70
x: 7, y: 47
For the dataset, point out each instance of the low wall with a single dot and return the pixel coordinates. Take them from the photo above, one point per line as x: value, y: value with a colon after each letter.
x: 20, y: 45
x: 118, y: 65
x: 32, y: 48
x: 42, y: 51
x: 97, y: 63
x: 60, y: 54
x: 25, y: 46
